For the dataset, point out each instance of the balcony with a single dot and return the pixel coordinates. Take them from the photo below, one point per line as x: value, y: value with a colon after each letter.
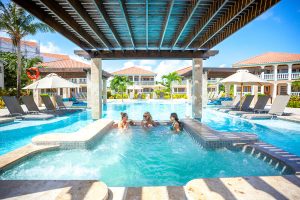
x: 143, y: 82
x: 280, y: 76
x: 184, y: 82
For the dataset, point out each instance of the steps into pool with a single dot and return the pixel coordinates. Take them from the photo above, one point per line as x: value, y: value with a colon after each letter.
x: 210, y: 138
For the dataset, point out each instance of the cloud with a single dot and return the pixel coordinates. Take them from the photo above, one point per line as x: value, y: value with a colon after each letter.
x: 167, y: 66
x: 222, y: 65
x: 3, y: 34
x: 269, y: 16
x: 135, y: 64
x: 49, y: 47
x: 147, y: 62
x: 80, y: 59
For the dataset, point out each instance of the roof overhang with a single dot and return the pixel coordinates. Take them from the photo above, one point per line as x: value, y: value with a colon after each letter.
x: 146, y: 29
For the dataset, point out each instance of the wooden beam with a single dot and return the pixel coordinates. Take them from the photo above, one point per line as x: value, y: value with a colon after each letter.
x: 35, y: 10
x: 146, y: 54
x: 214, y: 9
x: 165, y: 24
x: 147, y: 13
x: 126, y: 16
x: 250, y: 14
x: 184, y: 22
x: 222, y: 22
x: 100, y: 7
x: 56, y: 9
x: 83, y: 14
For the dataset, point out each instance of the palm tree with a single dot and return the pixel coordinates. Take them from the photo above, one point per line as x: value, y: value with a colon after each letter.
x: 17, y: 23
x: 169, y: 79
x: 119, y: 84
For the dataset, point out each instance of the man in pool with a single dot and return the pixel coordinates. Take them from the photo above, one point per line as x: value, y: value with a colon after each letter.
x: 124, y: 123
x: 147, y: 121
x: 176, y: 124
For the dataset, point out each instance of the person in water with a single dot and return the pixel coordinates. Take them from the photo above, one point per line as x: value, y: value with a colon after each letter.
x: 124, y: 123
x: 147, y: 121
x: 176, y: 124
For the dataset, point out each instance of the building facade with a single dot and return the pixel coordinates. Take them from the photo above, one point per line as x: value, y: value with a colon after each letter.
x: 143, y: 80
x: 280, y: 69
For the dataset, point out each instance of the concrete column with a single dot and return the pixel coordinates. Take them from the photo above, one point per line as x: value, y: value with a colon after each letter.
x: 188, y: 89
x: 262, y: 89
x: 96, y: 88
x: 217, y: 88
x: 262, y: 74
x: 204, y: 90
x: 274, y: 94
x: 289, y: 88
x: 275, y: 72
x: 197, y: 89
x: 227, y: 90
x: 104, y: 91
x: 234, y: 90
x: 290, y: 70
x: 254, y: 91
x: 37, y: 96
x: 88, y: 89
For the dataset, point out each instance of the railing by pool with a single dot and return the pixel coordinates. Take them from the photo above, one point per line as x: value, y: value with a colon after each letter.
x: 295, y: 93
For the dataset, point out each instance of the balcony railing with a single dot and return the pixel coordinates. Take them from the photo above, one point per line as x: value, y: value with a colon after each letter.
x: 295, y: 93
x: 184, y: 82
x: 295, y: 75
x: 283, y: 76
x: 244, y: 93
x: 280, y: 76
x: 268, y: 77
x: 144, y: 82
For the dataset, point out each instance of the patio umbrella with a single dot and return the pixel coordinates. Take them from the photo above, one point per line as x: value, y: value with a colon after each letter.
x: 243, y: 77
x: 159, y: 86
x: 51, y: 81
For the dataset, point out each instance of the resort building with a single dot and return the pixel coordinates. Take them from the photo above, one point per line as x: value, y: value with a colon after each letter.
x: 28, y: 48
x: 280, y: 69
x: 143, y: 80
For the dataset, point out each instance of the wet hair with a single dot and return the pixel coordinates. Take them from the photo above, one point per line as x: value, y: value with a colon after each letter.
x: 123, y: 114
x: 175, y: 116
x: 148, y: 113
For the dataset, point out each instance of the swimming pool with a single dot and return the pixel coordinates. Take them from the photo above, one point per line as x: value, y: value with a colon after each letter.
x: 20, y: 133
x: 140, y: 157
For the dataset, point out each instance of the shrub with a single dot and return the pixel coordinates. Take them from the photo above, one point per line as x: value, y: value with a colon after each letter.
x: 294, y: 102
x: 10, y: 92
x: 179, y: 96
x: 109, y: 94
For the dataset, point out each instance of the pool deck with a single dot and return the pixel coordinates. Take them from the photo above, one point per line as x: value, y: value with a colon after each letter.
x: 4, y: 120
x: 244, y: 188
x: 210, y: 138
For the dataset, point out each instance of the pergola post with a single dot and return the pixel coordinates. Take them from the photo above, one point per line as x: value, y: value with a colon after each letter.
x: 197, y: 89
x: 88, y: 89
x: 37, y: 96
x: 227, y: 90
x: 104, y: 91
x: 204, y: 90
x: 96, y: 88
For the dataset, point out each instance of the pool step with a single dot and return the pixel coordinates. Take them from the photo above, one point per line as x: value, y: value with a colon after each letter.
x: 210, y: 138
x: 276, y: 155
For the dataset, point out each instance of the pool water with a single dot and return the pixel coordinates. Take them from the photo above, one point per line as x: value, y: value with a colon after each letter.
x: 20, y: 133
x: 140, y: 157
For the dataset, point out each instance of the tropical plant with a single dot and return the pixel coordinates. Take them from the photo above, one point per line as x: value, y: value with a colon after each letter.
x: 119, y: 84
x: 10, y: 68
x: 296, y: 85
x: 17, y: 23
x: 169, y: 79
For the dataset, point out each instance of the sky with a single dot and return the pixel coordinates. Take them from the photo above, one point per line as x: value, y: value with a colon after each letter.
x: 276, y: 30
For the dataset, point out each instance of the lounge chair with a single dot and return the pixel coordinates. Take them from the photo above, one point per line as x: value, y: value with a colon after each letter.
x: 16, y: 110
x: 62, y: 106
x: 259, y: 105
x: 235, y: 105
x: 30, y: 104
x: 161, y: 95
x: 277, y: 109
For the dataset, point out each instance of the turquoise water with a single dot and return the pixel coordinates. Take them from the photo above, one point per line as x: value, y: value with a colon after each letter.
x: 139, y: 157
x: 20, y: 133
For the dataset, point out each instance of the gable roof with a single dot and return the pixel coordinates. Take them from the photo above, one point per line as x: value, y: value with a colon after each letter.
x: 23, y: 42
x: 134, y: 71
x: 269, y: 58
x: 47, y: 57
x: 182, y: 71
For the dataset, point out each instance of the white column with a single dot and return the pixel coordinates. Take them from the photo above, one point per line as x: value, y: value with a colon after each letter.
x: 37, y: 96
x: 188, y: 89
x: 262, y: 89
x: 290, y: 70
x: 217, y: 88
x: 234, y: 90
x: 289, y: 88
x: 275, y: 72
x: 204, y: 90
x: 88, y: 89
x: 262, y: 74
x: 254, y: 91
x: 96, y: 88
x: 227, y: 90
x: 274, y: 92
x: 197, y: 89
x: 104, y: 91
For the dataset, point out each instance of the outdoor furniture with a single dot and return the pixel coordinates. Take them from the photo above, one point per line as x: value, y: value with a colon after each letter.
x: 277, y: 109
x: 235, y: 105
x: 61, y: 105
x: 30, y: 104
x: 16, y: 110
x: 245, y: 104
x: 259, y: 105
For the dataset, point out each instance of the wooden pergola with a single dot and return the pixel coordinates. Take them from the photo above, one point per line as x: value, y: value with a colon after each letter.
x: 121, y: 29
x: 145, y: 29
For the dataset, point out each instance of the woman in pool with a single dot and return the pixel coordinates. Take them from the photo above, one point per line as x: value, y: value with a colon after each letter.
x: 124, y: 123
x: 176, y: 124
x: 147, y: 121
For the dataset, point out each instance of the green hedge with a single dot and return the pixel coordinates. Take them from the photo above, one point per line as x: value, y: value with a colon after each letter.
x: 10, y: 92
x: 294, y: 102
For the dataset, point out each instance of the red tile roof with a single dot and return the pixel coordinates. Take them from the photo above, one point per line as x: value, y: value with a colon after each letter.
x: 55, y: 56
x: 269, y: 58
x: 23, y: 42
x: 134, y: 71
x: 184, y: 70
x: 67, y: 63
